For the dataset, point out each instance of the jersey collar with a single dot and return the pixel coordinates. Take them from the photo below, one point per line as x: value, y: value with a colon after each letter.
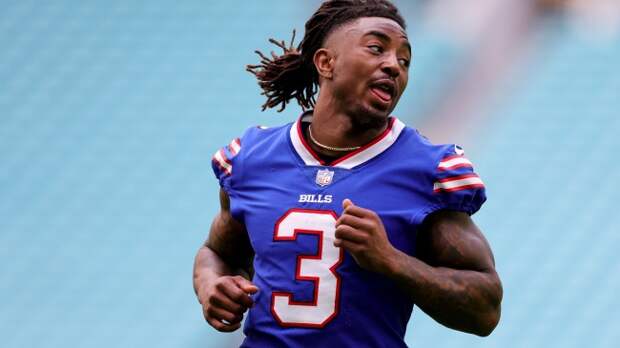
x: 353, y: 159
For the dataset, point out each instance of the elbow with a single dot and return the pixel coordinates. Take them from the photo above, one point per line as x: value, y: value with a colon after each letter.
x: 486, y: 326
x: 488, y: 321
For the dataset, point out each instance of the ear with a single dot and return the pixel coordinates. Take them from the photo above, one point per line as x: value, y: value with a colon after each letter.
x: 324, y: 63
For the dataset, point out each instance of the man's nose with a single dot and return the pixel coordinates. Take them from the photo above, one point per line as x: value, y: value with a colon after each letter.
x: 390, y: 66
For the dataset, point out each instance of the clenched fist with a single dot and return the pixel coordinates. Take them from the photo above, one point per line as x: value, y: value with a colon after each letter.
x: 225, y: 300
x: 360, y: 232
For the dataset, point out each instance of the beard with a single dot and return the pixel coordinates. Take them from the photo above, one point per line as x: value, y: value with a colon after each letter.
x: 366, y: 118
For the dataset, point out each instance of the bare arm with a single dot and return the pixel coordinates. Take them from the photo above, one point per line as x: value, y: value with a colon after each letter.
x: 453, y: 279
x: 223, y: 269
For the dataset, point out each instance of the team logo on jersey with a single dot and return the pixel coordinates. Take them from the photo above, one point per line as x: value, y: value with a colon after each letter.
x: 324, y: 177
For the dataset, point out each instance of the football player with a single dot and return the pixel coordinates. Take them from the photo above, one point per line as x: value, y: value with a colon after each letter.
x: 334, y: 226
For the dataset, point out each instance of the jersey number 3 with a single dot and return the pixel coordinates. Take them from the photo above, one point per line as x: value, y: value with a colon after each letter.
x: 319, y: 268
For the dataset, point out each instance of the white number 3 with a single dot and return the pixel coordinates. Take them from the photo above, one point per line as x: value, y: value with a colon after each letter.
x: 319, y: 268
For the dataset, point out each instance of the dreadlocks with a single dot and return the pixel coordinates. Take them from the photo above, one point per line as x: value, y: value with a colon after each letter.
x: 292, y: 74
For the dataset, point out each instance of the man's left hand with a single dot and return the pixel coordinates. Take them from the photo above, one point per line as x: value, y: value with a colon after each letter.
x: 361, y: 232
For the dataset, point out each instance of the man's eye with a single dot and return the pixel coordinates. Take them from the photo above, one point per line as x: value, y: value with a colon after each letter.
x: 404, y: 62
x: 376, y: 48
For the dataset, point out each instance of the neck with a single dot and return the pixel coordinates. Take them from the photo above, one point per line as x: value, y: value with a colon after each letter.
x: 335, y: 128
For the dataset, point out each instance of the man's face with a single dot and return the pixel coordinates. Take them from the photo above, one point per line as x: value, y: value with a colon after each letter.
x: 371, y: 68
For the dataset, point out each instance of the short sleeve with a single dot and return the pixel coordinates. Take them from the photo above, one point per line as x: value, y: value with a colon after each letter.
x: 223, y: 162
x: 456, y: 185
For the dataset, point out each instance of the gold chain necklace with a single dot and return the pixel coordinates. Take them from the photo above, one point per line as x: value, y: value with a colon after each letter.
x: 330, y: 148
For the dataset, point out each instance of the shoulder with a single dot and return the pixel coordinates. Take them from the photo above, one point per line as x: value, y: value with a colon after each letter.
x: 256, y: 140
x: 443, y: 172
x: 417, y: 149
x: 449, y: 166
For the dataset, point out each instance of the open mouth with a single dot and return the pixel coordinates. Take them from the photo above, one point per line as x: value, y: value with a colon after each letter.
x: 383, y: 89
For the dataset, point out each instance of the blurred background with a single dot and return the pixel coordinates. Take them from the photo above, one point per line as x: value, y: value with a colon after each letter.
x: 110, y: 112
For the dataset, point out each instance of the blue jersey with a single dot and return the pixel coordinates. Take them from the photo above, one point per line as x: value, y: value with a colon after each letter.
x: 313, y: 294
